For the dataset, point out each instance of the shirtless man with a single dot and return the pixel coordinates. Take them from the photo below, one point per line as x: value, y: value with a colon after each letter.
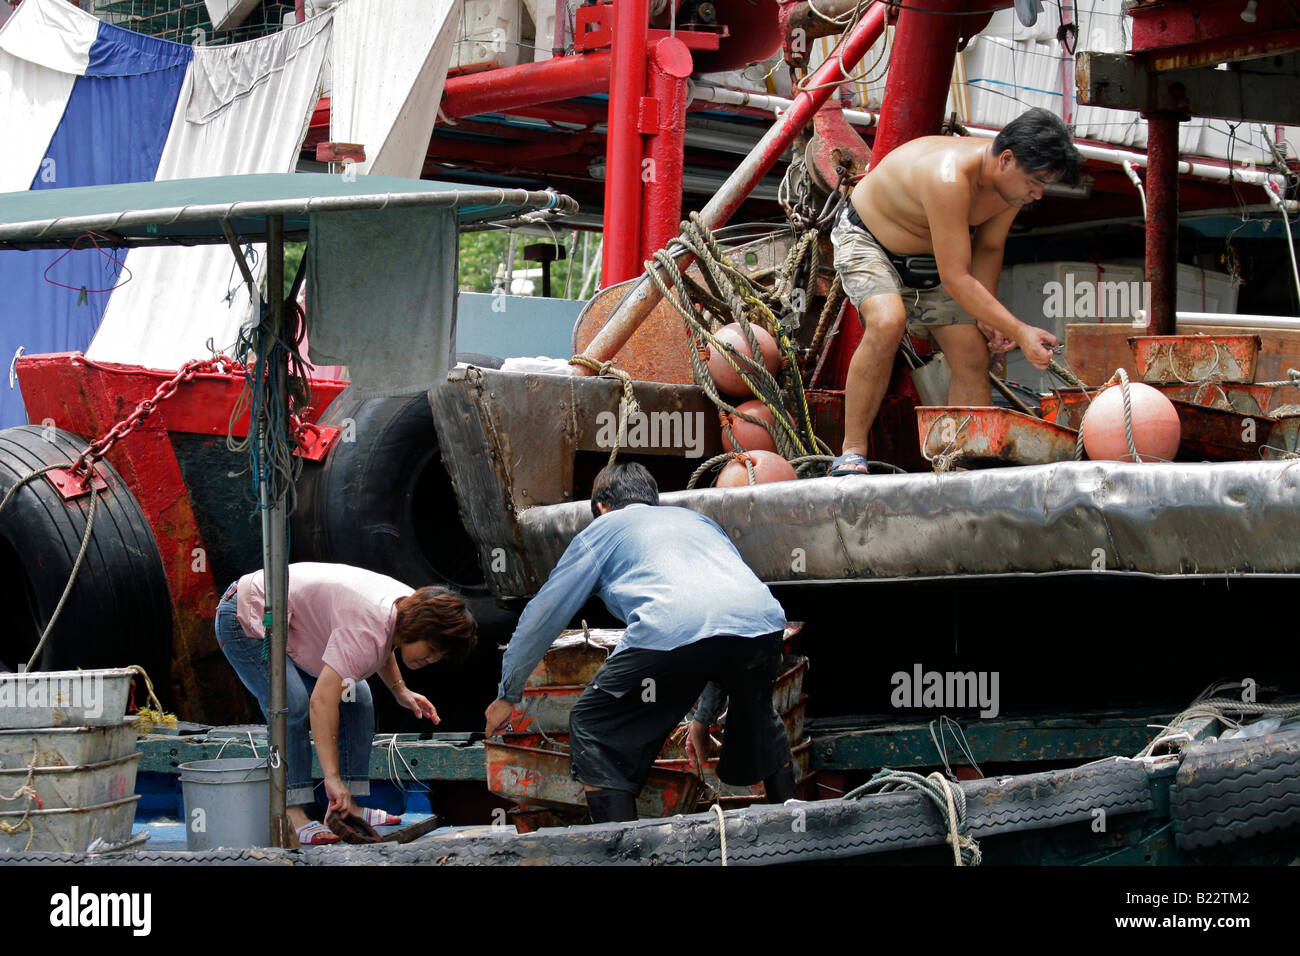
x: 924, y: 199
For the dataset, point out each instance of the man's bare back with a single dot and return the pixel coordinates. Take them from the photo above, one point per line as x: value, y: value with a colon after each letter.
x: 953, y: 198
x: 890, y: 197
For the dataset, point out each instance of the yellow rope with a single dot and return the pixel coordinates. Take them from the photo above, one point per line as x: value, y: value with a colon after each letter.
x: 28, y: 791
x: 627, y: 404
x: 147, y: 718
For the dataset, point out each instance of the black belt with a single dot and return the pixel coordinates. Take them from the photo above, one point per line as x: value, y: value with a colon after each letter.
x: 917, y: 272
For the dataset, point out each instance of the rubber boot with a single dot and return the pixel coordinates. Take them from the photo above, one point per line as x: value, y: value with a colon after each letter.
x: 780, y: 786
x: 609, y: 806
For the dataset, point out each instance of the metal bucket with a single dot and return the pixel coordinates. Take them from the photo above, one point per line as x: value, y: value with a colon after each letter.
x: 226, y: 803
x: 40, y: 699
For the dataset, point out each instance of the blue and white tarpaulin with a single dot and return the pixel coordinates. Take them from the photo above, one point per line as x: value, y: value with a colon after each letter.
x: 86, y: 103
x: 82, y: 103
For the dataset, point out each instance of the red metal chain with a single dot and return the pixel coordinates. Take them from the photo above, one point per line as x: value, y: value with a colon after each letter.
x: 83, y: 466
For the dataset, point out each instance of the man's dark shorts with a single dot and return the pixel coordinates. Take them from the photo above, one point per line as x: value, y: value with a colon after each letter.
x: 619, y: 725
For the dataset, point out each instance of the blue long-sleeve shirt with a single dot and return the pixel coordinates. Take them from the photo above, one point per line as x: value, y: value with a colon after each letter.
x: 670, y: 574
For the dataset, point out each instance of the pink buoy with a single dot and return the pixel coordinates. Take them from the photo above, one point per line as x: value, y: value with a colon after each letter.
x: 768, y: 467
x: 751, y: 437
x: 1157, y: 431
x: 724, y: 376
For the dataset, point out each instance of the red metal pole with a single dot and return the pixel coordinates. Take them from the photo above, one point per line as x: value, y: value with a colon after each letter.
x: 641, y: 299
x: 623, y: 148
x: 547, y: 81
x: 670, y: 67
x: 1162, y: 221
x: 920, y: 72
x: 779, y: 137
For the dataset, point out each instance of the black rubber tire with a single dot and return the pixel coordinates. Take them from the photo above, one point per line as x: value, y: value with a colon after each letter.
x: 827, y: 829
x: 1229, y: 790
x: 119, y: 612
x: 385, y: 502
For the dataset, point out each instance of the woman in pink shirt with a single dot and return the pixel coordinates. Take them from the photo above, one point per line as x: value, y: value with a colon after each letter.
x: 345, y: 624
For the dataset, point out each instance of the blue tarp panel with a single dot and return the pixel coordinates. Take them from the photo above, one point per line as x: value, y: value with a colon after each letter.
x: 112, y: 131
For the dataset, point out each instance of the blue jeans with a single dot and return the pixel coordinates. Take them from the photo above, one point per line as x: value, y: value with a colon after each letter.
x: 356, y: 717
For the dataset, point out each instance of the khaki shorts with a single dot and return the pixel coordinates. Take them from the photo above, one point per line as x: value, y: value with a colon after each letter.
x: 865, y: 271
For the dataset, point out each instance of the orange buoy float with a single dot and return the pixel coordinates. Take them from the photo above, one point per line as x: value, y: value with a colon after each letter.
x: 1157, y: 431
x: 768, y: 467
x: 724, y: 376
x: 751, y: 437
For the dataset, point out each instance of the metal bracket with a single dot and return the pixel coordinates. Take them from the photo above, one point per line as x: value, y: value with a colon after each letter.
x: 317, y: 441
x: 69, y: 485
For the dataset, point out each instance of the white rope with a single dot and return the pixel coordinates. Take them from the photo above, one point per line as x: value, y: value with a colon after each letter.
x: 722, y: 830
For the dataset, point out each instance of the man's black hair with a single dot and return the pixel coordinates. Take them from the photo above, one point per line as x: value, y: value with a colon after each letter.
x: 1041, y: 144
x: 623, y: 483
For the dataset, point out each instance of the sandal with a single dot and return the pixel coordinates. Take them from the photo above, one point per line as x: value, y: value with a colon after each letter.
x: 315, y: 834
x: 379, y: 818
x: 850, y: 463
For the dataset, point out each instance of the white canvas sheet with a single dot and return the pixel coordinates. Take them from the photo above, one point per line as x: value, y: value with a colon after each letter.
x: 390, y: 60
x: 244, y: 108
x: 44, y: 47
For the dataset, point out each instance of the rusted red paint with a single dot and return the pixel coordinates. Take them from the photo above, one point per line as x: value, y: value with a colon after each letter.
x: 330, y: 152
x: 1162, y: 220
x: 545, y: 709
x: 535, y: 777
x: 802, y: 761
x: 88, y: 398
x: 836, y: 153
x: 1212, y: 434
x: 1066, y: 406
x: 981, y: 436
x: 1195, y: 358
x: 1283, y: 441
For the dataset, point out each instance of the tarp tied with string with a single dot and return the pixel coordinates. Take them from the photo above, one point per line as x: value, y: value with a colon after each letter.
x: 346, y: 217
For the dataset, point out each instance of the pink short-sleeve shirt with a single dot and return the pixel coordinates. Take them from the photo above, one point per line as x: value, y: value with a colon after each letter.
x: 338, y: 615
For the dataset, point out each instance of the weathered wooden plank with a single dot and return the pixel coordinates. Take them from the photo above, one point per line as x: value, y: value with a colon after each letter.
x: 991, y: 741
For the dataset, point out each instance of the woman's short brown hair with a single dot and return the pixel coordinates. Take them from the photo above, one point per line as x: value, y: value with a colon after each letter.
x: 437, y: 615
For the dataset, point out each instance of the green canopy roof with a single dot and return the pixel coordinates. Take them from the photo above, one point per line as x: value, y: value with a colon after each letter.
x: 193, y: 211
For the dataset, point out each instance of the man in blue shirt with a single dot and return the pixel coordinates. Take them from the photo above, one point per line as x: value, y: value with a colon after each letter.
x: 696, y: 615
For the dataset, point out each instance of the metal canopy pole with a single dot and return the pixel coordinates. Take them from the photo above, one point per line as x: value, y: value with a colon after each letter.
x: 1162, y: 221
x: 275, y: 542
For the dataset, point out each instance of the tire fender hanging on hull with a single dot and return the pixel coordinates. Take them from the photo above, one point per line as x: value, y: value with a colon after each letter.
x: 119, y: 610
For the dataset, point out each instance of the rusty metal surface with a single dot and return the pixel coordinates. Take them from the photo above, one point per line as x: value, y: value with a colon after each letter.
x: 1160, y: 254
x: 788, y: 688
x: 1150, y: 519
x: 534, y: 777
x: 984, y: 436
x: 1066, y: 406
x: 802, y: 761
x: 836, y: 153
x: 657, y: 351
x: 1284, y: 439
x: 545, y: 709
x: 643, y: 296
x: 1193, y: 359
x: 574, y: 658
x: 512, y: 441
x: 1213, y: 434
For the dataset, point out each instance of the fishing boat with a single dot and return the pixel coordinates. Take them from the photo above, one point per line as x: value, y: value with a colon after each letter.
x: 1081, y: 607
